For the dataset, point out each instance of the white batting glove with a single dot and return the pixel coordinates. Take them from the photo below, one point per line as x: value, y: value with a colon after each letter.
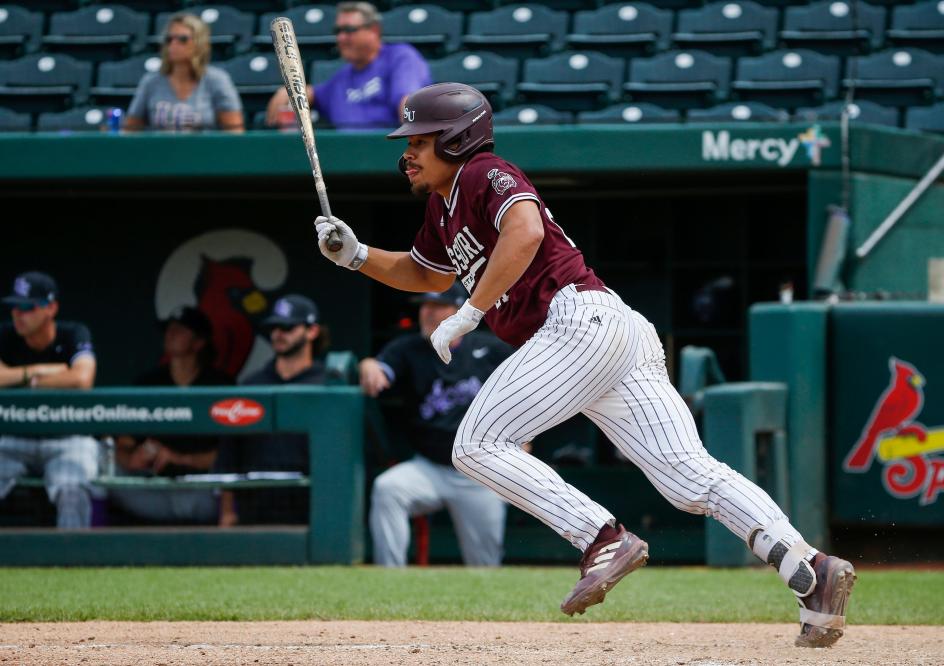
x: 352, y: 253
x: 463, y: 321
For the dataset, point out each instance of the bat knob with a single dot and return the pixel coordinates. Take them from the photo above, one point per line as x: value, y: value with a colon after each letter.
x: 334, y: 242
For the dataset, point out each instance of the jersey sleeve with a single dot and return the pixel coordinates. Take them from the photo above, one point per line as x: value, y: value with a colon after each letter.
x: 503, y: 185
x: 409, y: 72
x: 394, y: 358
x: 429, y: 250
x: 138, y: 107
x: 223, y: 93
x: 81, y: 344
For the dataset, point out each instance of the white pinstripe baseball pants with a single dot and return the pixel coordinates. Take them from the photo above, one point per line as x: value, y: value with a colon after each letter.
x: 595, y: 355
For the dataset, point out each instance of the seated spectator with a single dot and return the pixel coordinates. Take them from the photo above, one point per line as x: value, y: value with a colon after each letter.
x: 437, y: 396
x: 188, y: 355
x: 36, y: 352
x: 370, y: 89
x: 298, y: 341
x: 187, y: 93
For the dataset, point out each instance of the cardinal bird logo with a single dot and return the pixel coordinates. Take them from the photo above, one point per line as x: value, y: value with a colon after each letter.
x: 893, y: 415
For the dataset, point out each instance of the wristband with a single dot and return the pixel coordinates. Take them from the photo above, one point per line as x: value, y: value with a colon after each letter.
x: 360, y: 256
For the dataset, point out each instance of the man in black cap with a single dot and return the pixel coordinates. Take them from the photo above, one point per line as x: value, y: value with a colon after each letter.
x: 36, y: 351
x: 187, y: 361
x: 437, y: 396
x: 298, y: 340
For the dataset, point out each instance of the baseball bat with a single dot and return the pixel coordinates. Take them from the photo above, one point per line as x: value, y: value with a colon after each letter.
x: 293, y: 73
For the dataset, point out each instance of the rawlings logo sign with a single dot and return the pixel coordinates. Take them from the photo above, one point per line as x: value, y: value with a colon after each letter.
x: 501, y: 181
x: 237, y: 412
x: 899, y: 441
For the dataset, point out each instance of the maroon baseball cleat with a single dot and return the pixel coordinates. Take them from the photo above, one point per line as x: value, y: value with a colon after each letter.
x: 823, y: 612
x: 614, y: 554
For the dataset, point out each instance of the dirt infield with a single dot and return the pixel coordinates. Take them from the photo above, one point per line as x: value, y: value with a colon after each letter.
x: 386, y: 643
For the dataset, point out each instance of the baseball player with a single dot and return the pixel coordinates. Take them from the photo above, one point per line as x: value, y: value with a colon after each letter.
x: 580, y: 349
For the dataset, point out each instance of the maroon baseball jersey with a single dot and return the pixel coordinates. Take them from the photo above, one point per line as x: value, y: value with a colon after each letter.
x: 459, y: 235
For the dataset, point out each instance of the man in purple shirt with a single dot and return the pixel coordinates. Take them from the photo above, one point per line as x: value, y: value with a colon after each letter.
x: 369, y: 90
x: 581, y: 349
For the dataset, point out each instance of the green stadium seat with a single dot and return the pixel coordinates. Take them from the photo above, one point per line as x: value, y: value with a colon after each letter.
x: 256, y: 77
x: 698, y: 369
x: 679, y: 79
x: 80, y: 119
x: 231, y: 31
x: 255, y: 6
x: 341, y: 368
x: 787, y: 78
x: 11, y: 121
x: 492, y: 74
x: 860, y: 112
x: 920, y: 25
x: 835, y: 27
x: 519, y: 30
x: 727, y: 28
x: 20, y: 31
x: 747, y: 112
x: 322, y: 70
x: 622, y: 30
x: 532, y: 114
x: 97, y: 33
x: 572, y: 81
x: 53, y: 5
x: 314, y: 30
x: 434, y: 31
x: 897, y: 77
x: 629, y: 114
x: 40, y: 82
x: 453, y: 5
x: 117, y: 81
x: 151, y: 6
x: 926, y: 119
x: 562, y: 5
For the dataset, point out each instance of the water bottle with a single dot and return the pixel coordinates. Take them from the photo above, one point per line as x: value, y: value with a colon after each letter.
x: 114, y: 120
x: 107, y: 457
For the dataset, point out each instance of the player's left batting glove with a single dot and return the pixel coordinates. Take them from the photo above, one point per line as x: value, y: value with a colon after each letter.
x: 463, y: 321
x: 352, y: 254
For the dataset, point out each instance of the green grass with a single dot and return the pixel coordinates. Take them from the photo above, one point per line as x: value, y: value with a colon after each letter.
x: 510, y: 593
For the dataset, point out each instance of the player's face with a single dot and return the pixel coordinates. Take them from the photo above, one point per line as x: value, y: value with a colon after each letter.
x: 426, y: 170
x: 433, y: 314
x: 28, y: 321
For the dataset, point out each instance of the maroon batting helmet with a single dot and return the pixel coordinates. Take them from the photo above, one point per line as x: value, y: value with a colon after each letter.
x: 460, y: 113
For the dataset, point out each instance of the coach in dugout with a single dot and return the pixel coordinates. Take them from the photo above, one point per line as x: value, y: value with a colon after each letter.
x: 370, y: 88
x: 437, y: 396
x: 36, y: 351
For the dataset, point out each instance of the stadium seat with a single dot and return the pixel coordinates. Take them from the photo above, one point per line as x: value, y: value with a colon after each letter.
x: 727, y: 28
x: 564, y: 5
x: 519, y: 30
x: 322, y: 70
x: 572, y: 81
x: 860, y: 111
x: 231, y: 31
x: 679, y: 79
x: 628, y: 114
x: 787, y: 78
x: 20, y: 31
x: 897, y: 77
x: 52, y: 5
x: 41, y: 82
x: 431, y: 29
x: 494, y: 75
x: 117, y: 81
x: 314, y: 30
x: 451, y: 5
x: 920, y: 25
x: 81, y: 119
x: 11, y: 121
x: 926, y: 119
x: 256, y: 77
x: 154, y: 5
x: 532, y: 114
x: 835, y: 27
x: 97, y: 33
x: 622, y: 30
x: 752, y: 112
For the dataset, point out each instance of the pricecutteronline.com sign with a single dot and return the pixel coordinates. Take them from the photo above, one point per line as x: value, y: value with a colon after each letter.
x: 94, y: 414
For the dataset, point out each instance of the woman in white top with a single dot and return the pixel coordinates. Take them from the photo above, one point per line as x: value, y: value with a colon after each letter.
x: 187, y: 93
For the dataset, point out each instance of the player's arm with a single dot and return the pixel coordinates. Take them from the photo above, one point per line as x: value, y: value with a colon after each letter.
x: 400, y: 271
x: 80, y: 375
x: 522, y: 232
x: 13, y: 375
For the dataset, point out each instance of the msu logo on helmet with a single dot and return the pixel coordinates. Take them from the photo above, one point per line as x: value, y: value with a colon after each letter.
x: 409, y: 114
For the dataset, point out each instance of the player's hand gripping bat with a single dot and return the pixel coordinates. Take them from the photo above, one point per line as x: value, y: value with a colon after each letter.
x: 293, y: 73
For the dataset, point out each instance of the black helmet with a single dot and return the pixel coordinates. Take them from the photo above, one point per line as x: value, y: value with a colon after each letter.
x: 457, y: 111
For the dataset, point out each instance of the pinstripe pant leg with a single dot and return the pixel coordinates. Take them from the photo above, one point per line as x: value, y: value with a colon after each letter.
x: 582, y: 350
x: 646, y: 418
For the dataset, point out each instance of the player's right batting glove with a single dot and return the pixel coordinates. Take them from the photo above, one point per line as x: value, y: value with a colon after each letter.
x: 352, y: 253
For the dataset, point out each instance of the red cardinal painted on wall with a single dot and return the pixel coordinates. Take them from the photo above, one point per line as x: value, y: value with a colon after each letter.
x: 893, y: 414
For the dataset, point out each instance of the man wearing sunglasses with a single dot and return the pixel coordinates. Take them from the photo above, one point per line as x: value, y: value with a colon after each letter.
x: 298, y: 340
x: 369, y: 89
x: 36, y: 352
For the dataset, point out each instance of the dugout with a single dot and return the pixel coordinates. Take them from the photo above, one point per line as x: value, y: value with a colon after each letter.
x: 690, y: 224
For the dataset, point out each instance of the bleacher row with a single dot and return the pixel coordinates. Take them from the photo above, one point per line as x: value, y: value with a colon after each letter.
x: 67, y: 62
